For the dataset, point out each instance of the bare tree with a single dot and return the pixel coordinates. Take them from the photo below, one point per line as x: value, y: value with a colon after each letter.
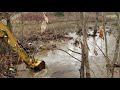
x: 79, y: 32
x: 82, y: 69
x: 77, y: 18
x: 96, y: 24
x: 9, y: 21
x: 84, y: 46
x: 106, y: 49
x: 116, y: 47
x: 22, y: 22
x: 7, y: 17
x: 44, y: 23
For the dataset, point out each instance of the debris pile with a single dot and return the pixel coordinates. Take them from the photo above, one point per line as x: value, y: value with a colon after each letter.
x: 45, y: 37
x: 8, y: 64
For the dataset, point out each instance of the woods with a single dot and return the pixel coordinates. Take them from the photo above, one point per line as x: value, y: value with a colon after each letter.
x: 72, y: 44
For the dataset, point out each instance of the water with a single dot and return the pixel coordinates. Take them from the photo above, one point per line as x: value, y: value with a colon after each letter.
x: 62, y: 65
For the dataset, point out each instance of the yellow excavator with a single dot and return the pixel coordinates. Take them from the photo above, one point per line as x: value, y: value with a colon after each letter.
x: 9, y: 38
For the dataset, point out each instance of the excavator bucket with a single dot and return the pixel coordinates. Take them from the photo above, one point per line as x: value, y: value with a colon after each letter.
x: 40, y: 65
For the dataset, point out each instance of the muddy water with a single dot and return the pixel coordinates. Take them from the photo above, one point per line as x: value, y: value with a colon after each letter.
x: 61, y: 65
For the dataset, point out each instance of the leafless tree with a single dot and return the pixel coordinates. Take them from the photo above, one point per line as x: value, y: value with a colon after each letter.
x: 106, y: 49
x: 77, y: 18
x: 116, y: 47
x: 85, y: 69
x: 22, y: 22
x: 96, y: 24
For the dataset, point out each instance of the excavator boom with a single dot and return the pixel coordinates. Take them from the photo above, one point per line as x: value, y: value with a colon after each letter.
x: 9, y: 38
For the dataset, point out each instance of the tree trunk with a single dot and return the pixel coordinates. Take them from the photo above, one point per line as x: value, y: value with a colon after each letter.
x: 79, y: 32
x: 82, y: 70
x: 22, y: 22
x: 96, y: 24
x: 106, y: 49
x: 116, y: 47
x: 79, y: 24
x: 85, y: 47
x: 8, y: 21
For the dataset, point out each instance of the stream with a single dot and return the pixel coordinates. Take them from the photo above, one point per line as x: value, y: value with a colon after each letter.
x: 61, y: 65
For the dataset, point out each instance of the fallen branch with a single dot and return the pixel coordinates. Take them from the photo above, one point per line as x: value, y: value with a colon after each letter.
x: 98, y: 68
x: 69, y: 54
x: 78, y: 60
x: 102, y: 51
x: 72, y: 57
x: 75, y: 51
x: 61, y: 50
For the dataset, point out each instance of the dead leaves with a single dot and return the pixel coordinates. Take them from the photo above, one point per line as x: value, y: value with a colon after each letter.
x: 101, y: 32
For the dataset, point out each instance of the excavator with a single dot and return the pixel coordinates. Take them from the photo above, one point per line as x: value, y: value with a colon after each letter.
x: 7, y: 36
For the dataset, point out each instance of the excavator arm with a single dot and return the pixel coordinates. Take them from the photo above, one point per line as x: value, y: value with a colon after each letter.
x: 9, y: 38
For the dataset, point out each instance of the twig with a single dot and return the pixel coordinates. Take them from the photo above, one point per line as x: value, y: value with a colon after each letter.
x: 74, y: 51
x: 69, y: 54
x: 63, y: 51
x: 78, y: 60
x: 102, y: 51
x: 92, y: 71
x: 3, y: 75
x: 1, y: 59
x: 114, y: 36
x: 98, y: 68
x: 74, y: 58
x: 107, y: 58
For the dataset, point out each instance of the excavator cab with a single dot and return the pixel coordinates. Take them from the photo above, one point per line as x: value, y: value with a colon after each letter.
x: 9, y: 38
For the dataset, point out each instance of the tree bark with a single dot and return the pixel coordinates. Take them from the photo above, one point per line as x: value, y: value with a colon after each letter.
x: 22, y: 22
x: 85, y: 47
x: 79, y: 24
x: 96, y: 24
x: 116, y: 47
x: 82, y: 70
x: 106, y: 49
x: 8, y: 21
